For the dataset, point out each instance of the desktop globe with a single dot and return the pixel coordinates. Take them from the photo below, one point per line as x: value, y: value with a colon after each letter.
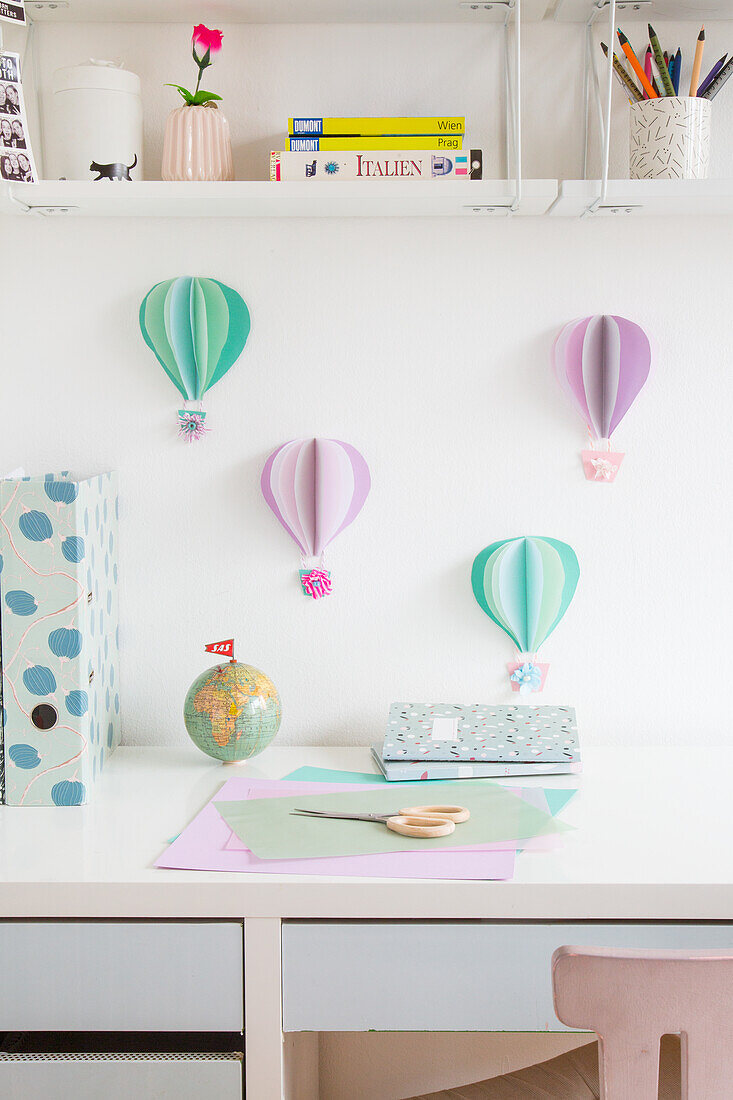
x: 232, y: 711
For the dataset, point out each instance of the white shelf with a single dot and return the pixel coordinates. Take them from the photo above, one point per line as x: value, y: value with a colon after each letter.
x: 223, y: 12
x: 385, y: 198
x: 354, y: 199
x: 661, y: 198
x: 698, y: 11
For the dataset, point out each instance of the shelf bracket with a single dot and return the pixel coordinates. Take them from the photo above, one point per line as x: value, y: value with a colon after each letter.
x: 600, y: 199
x: 513, y: 94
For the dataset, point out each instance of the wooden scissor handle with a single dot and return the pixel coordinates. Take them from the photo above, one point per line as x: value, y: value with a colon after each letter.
x: 447, y: 813
x: 421, y: 826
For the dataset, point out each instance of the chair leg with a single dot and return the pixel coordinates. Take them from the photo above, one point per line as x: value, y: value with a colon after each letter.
x: 629, y: 1067
x: 707, y: 1066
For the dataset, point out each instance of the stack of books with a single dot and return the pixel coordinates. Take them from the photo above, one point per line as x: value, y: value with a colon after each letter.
x: 473, y: 741
x: 349, y: 148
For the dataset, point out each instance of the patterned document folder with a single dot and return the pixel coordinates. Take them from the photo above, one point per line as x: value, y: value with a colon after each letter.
x: 472, y: 731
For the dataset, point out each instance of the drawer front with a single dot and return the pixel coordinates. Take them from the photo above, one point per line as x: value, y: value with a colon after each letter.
x: 445, y: 976
x: 119, y: 1077
x: 106, y: 976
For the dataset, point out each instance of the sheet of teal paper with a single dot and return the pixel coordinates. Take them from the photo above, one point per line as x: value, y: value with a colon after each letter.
x: 557, y: 798
x: 269, y: 828
x: 332, y: 775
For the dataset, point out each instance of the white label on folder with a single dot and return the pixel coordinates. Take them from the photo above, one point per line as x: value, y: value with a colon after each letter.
x: 444, y: 729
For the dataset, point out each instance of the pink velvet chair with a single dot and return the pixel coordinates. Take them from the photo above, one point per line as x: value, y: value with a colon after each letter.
x: 632, y: 998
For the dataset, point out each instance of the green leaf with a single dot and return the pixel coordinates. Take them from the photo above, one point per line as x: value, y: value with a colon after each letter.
x: 187, y: 96
x: 202, y: 62
x: 203, y: 97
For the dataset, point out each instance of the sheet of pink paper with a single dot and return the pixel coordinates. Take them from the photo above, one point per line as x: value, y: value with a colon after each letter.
x: 202, y: 846
x: 267, y: 789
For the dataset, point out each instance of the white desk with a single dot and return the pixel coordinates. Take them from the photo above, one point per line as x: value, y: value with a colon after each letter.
x: 652, y: 846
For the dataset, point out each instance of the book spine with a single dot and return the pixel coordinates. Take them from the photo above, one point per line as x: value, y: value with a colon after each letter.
x: 314, y: 144
x: 426, y: 124
x: 403, y: 164
x: 417, y: 770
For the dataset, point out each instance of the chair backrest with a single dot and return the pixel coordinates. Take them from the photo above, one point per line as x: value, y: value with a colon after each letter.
x: 632, y: 998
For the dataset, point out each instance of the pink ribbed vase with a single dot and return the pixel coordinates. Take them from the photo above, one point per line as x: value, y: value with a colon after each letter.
x: 197, y: 145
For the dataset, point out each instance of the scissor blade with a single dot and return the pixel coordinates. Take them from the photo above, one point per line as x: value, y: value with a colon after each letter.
x: 341, y: 817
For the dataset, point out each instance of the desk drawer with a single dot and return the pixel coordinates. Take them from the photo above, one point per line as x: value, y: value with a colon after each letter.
x: 106, y: 976
x: 445, y: 976
x: 120, y: 1076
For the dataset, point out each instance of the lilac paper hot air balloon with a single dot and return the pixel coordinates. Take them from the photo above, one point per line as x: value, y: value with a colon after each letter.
x: 316, y: 488
x: 601, y: 363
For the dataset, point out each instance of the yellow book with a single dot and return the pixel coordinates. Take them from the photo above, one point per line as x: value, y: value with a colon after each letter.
x: 374, y: 127
x: 364, y: 144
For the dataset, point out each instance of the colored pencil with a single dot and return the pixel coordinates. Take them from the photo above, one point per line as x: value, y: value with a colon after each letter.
x: 648, y: 70
x: 660, y: 62
x: 623, y: 77
x: 712, y: 75
x: 697, y: 63
x: 634, y: 62
x: 677, y: 71
x: 714, y: 87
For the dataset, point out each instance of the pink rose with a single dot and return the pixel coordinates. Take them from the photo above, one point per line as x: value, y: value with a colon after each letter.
x: 206, y: 39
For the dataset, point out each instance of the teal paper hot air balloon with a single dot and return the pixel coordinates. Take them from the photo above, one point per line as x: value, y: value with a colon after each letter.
x: 197, y: 329
x: 525, y: 585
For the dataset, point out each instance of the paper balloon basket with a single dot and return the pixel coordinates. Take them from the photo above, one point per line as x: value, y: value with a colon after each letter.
x: 527, y: 675
x: 601, y: 465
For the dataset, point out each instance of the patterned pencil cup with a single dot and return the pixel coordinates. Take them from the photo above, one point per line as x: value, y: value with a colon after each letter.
x: 669, y: 138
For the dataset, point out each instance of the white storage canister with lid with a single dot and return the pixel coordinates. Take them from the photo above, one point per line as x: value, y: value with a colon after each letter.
x: 96, y: 124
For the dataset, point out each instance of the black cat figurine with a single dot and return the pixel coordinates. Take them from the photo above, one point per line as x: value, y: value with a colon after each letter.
x: 113, y: 171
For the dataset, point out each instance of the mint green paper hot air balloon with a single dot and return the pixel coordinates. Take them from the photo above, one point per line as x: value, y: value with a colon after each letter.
x: 197, y: 329
x: 525, y: 585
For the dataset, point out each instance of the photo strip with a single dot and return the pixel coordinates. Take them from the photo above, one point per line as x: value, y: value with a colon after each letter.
x: 16, y: 158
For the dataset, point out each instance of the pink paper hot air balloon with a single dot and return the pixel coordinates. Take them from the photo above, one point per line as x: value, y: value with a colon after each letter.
x: 601, y: 363
x: 316, y: 488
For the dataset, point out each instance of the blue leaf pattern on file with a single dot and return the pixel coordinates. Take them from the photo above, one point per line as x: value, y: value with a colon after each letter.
x: 21, y: 603
x: 39, y: 680
x: 24, y: 756
x: 77, y: 703
x: 68, y: 792
x: 73, y: 548
x: 61, y: 492
x: 65, y: 643
x: 36, y: 526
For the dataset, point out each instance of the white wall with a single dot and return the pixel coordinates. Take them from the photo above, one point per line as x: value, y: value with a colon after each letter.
x: 424, y: 343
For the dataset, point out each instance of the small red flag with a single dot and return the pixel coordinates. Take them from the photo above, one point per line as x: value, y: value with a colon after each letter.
x: 223, y: 649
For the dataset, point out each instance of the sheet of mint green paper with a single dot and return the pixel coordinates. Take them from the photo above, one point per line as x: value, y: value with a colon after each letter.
x: 271, y: 831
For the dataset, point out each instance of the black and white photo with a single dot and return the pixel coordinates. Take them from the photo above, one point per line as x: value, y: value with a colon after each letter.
x: 12, y: 133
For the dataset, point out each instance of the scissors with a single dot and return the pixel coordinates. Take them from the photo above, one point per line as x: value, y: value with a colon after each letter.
x: 418, y: 821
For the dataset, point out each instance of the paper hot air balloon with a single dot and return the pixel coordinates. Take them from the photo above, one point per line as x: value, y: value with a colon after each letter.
x: 601, y: 363
x: 197, y: 329
x: 316, y: 488
x: 525, y: 585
